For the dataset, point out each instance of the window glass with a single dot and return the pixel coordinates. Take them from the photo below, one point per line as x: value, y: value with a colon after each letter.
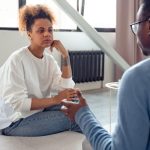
x: 9, y: 13
x: 100, y: 13
x: 62, y: 20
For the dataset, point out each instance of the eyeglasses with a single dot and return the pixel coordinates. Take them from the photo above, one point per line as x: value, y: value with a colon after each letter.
x: 134, y: 26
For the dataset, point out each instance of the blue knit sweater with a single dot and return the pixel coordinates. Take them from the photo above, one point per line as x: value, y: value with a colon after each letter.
x: 132, y: 131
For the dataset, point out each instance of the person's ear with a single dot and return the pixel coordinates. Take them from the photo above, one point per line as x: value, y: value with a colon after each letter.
x: 29, y: 35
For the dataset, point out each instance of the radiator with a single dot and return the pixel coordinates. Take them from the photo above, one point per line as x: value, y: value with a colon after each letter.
x: 87, y: 66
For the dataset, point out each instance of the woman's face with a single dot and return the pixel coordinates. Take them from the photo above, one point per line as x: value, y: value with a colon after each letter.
x: 41, y: 33
x: 143, y: 33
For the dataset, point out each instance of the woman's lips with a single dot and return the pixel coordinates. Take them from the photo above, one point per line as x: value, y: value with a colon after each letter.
x: 47, y: 41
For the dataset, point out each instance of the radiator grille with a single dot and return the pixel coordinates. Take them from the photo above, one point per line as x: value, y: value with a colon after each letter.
x: 87, y: 66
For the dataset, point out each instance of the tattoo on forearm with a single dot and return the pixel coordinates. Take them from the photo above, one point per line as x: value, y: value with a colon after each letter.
x: 65, y: 61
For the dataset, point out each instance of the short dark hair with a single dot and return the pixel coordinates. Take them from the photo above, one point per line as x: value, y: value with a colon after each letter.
x: 146, y: 8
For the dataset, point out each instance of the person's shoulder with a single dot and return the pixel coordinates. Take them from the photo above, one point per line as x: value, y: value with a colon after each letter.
x: 49, y: 57
x: 19, y: 52
x: 138, y: 70
x: 16, y: 55
x: 141, y: 67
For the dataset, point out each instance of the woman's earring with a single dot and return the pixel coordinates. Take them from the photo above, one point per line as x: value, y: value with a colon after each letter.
x: 30, y: 38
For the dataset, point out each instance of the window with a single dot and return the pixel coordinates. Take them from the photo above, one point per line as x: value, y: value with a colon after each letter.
x: 100, y: 14
x: 62, y: 20
x: 9, y: 13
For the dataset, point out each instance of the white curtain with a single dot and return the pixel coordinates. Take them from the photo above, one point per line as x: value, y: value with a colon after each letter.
x: 126, y: 44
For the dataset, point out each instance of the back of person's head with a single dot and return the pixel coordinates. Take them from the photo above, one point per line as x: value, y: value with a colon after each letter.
x: 29, y: 13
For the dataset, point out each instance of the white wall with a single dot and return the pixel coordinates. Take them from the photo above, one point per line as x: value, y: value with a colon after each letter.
x: 12, y: 40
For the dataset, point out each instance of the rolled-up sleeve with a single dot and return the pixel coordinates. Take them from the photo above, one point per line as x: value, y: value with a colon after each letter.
x: 67, y: 83
x: 59, y: 83
x: 13, y: 89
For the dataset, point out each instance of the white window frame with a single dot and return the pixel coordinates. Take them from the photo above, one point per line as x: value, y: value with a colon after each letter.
x: 61, y: 16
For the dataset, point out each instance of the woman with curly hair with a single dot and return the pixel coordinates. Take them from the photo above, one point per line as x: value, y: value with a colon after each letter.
x: 28, y: 77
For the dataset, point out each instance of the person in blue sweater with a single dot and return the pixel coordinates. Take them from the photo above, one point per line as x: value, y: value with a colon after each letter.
x: 132, y: 131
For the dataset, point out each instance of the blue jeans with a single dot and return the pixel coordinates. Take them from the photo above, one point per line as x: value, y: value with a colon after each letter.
x: 47, y: 122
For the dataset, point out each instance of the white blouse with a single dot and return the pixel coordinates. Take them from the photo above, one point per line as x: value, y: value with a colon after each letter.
x: 23, y: 77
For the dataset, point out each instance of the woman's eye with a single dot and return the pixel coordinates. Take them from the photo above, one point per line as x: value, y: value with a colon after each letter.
x: 40, y: 31
x: 50, y: 30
